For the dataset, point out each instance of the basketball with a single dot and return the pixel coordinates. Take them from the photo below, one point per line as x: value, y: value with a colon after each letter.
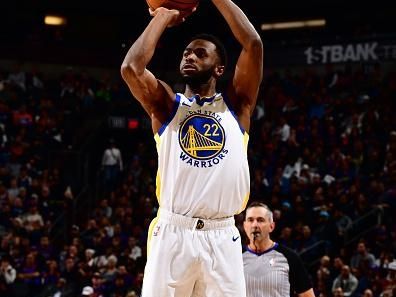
x: 181, y: 5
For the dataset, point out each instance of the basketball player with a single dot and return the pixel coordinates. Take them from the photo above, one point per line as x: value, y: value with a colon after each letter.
x: 194, y: 247
x: 270, y: 268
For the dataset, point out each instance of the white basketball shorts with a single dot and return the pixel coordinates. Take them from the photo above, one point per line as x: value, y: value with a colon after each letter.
x: 191, y: 257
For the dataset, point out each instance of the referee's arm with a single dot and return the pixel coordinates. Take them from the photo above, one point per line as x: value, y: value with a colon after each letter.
x: 299, y: 279
x: 309, y: 293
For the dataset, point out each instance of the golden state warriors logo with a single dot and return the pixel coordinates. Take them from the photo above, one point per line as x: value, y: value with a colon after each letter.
x: 201, y: 137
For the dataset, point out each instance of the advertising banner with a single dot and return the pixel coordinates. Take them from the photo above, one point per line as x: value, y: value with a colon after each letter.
x: 331, y: 53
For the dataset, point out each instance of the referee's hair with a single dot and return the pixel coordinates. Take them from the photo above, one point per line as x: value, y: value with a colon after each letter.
x: 270, y: 215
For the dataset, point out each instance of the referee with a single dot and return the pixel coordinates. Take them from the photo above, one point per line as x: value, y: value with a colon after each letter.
x: 271, y: 270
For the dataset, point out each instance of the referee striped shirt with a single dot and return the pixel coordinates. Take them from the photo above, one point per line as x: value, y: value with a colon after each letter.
x: 276, y: 272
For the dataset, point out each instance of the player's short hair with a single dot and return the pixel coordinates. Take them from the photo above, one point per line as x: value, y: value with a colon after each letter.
x: 220, y: 49
x: 270, y: 215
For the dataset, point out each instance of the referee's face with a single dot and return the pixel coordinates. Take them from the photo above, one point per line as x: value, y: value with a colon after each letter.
x: 257, y: 223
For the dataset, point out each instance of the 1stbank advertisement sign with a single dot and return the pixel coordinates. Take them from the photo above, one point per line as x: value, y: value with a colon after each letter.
x: 331, y: 53
x: 373, y: 51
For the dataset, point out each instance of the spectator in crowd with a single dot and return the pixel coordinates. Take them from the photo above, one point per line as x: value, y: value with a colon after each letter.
x: 30, y: 274
x: 362, y: 255
x: 323, y: 275
x: 346, y: 281
x: 338, y: 292
x: 112, y: 165
x: 342, y: 221
x: 7, y: 276
x: 98, y: 285
x: 368, y: 293
x: 389, y: 287
x: 87, y: 291
x: 110, y: 271
x: 60, y: 290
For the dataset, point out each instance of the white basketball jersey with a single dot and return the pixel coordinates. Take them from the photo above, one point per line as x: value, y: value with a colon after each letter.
x: 202, y: 160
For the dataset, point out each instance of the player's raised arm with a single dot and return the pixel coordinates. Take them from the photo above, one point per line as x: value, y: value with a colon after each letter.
x: 244, y: 87
x: 155, y: 96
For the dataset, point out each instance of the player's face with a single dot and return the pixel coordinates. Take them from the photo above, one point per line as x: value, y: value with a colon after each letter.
x: 200, y: 62
x: 257, y: 223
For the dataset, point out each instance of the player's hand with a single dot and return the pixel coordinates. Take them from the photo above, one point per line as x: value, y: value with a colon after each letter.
x: 177, y: 17
x: 173, y: 13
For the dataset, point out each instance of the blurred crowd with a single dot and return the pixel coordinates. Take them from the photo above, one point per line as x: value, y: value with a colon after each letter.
x: 322, y: 155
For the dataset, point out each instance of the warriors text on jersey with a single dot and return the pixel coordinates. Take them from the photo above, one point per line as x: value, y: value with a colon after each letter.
x: 203, y: 168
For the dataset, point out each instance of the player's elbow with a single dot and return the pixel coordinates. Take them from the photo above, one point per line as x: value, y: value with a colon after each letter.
x: 128, y: 71
x: 132, y: 69
x: 255, y: 44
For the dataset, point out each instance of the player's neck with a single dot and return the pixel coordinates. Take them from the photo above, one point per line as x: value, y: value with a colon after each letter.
x: 204, y: 90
